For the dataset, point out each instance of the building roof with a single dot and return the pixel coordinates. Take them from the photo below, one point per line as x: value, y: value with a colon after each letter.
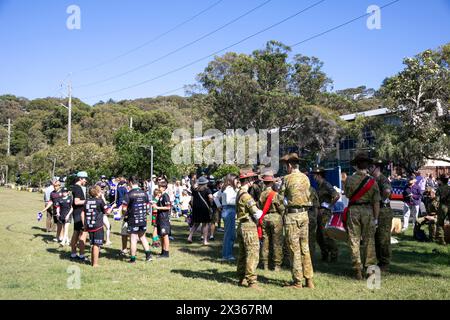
x: 369, y: 113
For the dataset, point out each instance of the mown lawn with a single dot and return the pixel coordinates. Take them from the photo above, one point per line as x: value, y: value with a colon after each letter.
x: 33, y: 267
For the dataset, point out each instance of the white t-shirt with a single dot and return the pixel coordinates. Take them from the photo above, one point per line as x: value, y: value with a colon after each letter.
x: 229, y: 197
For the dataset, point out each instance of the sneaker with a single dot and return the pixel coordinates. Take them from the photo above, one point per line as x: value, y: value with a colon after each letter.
x: 211, y: 238
x: 81, y: 259
x: 132, y: 261
x: 220, y: 230
x: 123, y: 253
x: 55, y: 240
x: 171, y: 238
x: 73, y: 258
x: 148, y: 258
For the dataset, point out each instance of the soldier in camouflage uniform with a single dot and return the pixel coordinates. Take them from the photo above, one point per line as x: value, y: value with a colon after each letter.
x: 443, y: 198
x: 362, y: 217
x: 296, y: 193
x: 430, y: 218
x: 313, y: 213
x: 383, y: 231
x: 272, y: 225
x: 327, y: 198
x: 247, y: 233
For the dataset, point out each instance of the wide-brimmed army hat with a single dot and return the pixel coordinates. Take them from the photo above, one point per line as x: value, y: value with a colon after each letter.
x: 246, y: 173
x: 267, y: 176
x: 318, y: 170
x: 291, y: 158
x: 361, y: 157
x: 378, y: 162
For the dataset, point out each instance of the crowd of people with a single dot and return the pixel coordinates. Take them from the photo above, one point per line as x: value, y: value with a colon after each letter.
x: 269, y: 217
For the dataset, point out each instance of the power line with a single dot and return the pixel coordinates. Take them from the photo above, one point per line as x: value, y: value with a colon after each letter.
x: 210, y: 55
x: 316, y: 35
x: 176, y: 50
x: 341, y: 25
x: 151, y: 40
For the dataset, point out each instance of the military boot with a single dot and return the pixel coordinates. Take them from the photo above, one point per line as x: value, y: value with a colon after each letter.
x: 254, y: 286
x: 309, y: 284
x: 242, y: 283
x: 295, y: 285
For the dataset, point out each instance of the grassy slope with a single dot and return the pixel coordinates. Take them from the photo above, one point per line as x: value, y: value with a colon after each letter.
x: 33, y: 267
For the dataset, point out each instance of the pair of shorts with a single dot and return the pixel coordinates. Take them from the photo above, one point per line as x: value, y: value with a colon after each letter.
x: 78, y: 226
x: 136, y: 229
x: 96, y: 237
x: 163, y: 223
x: 216, y: 216
x: 62, y: 220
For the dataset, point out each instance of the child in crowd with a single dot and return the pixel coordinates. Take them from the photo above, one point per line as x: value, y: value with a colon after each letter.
x: 64, y: 216
x: 163, y: 219
x: 92, y: 215
x: 155, y: 238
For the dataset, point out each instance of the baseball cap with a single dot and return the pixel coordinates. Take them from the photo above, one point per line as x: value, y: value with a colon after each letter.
x: 82, y: 174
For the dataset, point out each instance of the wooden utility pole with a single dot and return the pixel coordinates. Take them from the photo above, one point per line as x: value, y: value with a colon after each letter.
x: 8, y: 152
x: 69, y: 124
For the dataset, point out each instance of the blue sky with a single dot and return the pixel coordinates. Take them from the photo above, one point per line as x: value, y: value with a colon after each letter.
x: 38, y: 51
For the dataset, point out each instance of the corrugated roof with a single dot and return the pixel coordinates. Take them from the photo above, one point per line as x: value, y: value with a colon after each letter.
x: 370, y: 113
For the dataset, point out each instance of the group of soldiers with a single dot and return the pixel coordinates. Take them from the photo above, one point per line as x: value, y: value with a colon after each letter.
x: 294, y: 214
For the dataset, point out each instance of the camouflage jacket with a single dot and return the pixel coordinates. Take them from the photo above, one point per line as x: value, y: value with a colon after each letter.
x: 383, y: 185
x: 372, y: 196
x: 245, y: 204
x: 277, y: 202
x: 443, y: 197
x: 296, y: 190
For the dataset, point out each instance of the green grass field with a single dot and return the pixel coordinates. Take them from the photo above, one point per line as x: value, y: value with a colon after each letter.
x: 34, y: 267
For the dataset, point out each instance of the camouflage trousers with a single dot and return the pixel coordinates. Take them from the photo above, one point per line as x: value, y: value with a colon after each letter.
x: 312, y: 231
x: 361, y: 232
x: 296, y: 225
x: 248, y: 258
x: 443, y: 213
x: 328, y: 246
x: 431, y: 226
x: 272, y: 241
x: 383, y: 236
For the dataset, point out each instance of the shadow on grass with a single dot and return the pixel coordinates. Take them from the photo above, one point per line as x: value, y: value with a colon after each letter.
x: 222, y: 277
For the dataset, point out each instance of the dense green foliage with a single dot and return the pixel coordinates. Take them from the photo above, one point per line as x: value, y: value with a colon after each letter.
x: 266, y: 89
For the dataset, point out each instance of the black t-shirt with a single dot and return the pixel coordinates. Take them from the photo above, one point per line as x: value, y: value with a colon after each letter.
x: 138, y: 204
x: 94, y: 209
x: 64, y: 204
x: 54, y: 196
x: 77, y: 192
x: 163, y: 201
